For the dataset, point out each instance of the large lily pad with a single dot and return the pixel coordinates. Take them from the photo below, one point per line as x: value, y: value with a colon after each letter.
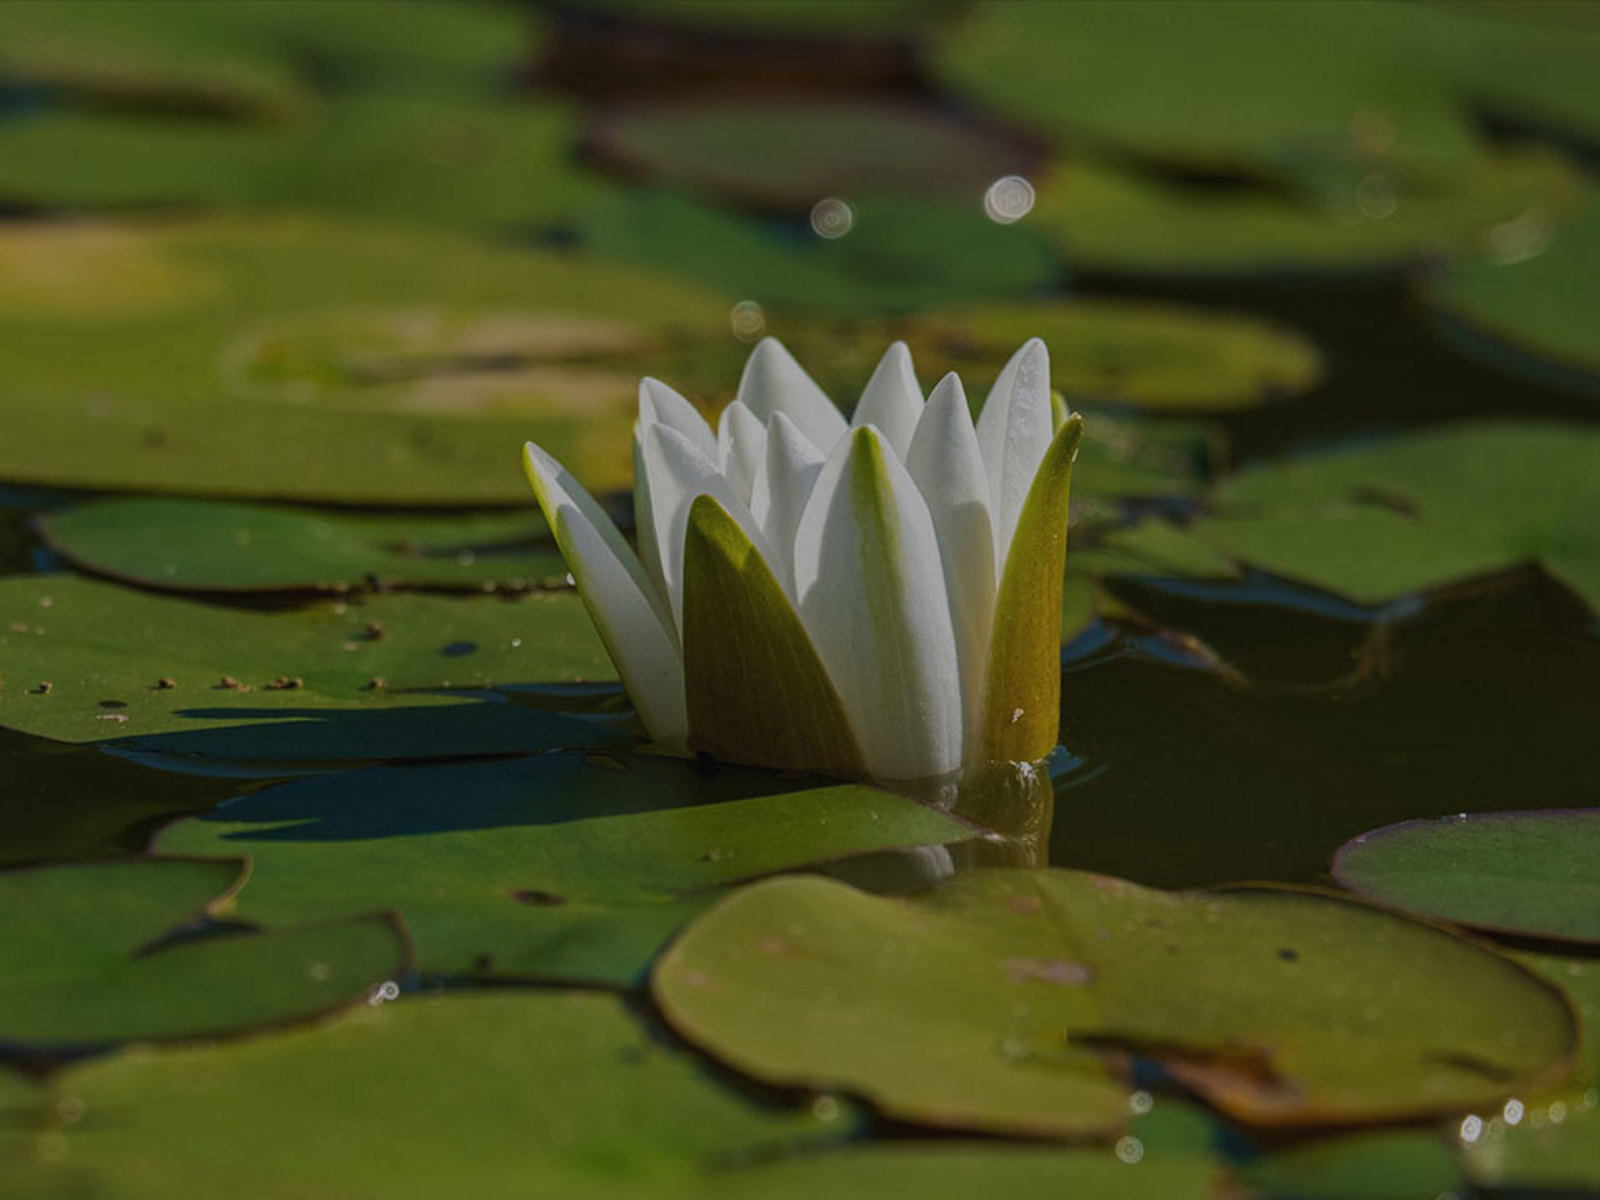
x: 1529, y: 873
x: 92, y: 662
x: 494, y: 1095
x: 1546, y: 1142
x: 1414, y: 512
x: 84, y: 966
x: 977, y: 1005
x: 898, y: 255
x: 1156, y: 356
x: 1537, y: 313
x: 546, y: 867
x: 788, y: 155
x: 1119, y: 222
x: 437, y: 359
x: 184, y: 545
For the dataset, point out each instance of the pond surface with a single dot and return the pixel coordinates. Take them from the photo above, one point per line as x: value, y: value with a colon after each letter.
x: 327, y: 825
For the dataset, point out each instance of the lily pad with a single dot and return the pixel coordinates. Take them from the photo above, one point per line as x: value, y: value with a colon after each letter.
x: 1536, y: 313
x: 550, y: 867
x: 1529, y: 873
x: 1548, y: 1141
x: 784, y: 154
x: 476, y: 359
x: 1156, y: 356
x: 897, y: 255
x: 1371, y: 1166
x: 977, y: 1006
x: 92, y: 662
x: 84, y: 963
x: 494, y: 1095
x: 1378, y: 521
x: 1118, y: 222
x: 1186, y: 83
x: 183, y: 545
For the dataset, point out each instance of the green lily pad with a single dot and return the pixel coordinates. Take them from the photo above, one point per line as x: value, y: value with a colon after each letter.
x: 899, y: 254
x: 185, y: 545
x: 92, y: 662
x: 1546, y: 1142
x: 788, y: 155
x: 550, y: 867
x: 1186, y: 83
x: 977, y: 1005
x: 1108, y: 220
x: 84, y: 966
x: 1370, y: 1166
x: 494, y: 1095
x: 1536, y: 313
x: 1528, y: 873
x: 1156, y: 356
x: 439, y: 358
x: 1419, y: 511
x: 257, y: 60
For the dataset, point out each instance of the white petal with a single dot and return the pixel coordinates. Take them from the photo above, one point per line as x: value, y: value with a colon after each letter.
x: 1014, y: 431
x: 872, y: 598
x: 892, y: 399
x: 784, y: 480
x: 773, y: 382
x: 659, y: 403
x: 632, y: 620
x: 644, y: 522
x: 947, y: 466
x: 678, y: 473
x: 741, y: 441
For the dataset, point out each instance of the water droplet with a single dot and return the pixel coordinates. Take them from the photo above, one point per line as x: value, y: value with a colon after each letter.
x: 1009, y: 199
x: 832, y: 218
x: 1129, y: 1149
x: 748, y: 320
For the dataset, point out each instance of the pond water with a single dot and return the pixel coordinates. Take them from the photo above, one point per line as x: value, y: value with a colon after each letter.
x: 326, y: 825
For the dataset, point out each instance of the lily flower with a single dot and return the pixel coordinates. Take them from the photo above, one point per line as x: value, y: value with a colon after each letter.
x: 877, y: 597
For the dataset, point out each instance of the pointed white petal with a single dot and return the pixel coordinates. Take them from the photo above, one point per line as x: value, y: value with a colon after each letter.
x: 892, y: 399
x: 774, y: 382
x: 659, y: 403
x: 644, y: 522
x: 678, y: 473
x: 741, y: 441
x: 871, y: 593
x: 632, y: 620
x: 784, y: 480
x: 1014, y: 430
x: 947, y: 467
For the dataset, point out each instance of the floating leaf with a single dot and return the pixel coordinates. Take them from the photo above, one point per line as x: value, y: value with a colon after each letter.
x: 185, y: 545
x: 787, y: 154
x: 92, y: 662
x: 1531, y: 307
x: 1419, y: 511
x: 1370, y: 1166
x: 546, y: 867
x: 502, y: 1096
x: 1529, y: 873
x: 977, y: 1005
x: 84, y: 965
x: 1158, y: 356
x: 445, y: 357
x: 1107, y: 220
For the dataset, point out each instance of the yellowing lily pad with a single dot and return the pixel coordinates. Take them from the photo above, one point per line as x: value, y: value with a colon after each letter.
x: 196, y: 397
x: 550, y: 867
x: 188, y: 545
x: 84, y: 962
x: 86, y: 661
x: 980, y: 1004
x: 1529, y: 873
x: 1419, y: 511
x: 500, y: 1096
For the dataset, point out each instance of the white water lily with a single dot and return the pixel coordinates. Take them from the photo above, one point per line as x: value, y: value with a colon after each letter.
x: 877, y: 597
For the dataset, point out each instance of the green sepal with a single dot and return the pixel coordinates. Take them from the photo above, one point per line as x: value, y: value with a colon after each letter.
x: 757, y: 692
x: 1022, y: 699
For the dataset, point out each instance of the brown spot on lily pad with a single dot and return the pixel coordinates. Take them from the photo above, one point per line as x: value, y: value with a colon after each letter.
x: 1061, y: 971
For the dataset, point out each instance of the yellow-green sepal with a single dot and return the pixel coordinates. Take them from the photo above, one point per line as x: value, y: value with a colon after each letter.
x: 1021, y: 716
x: 757, y: 692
